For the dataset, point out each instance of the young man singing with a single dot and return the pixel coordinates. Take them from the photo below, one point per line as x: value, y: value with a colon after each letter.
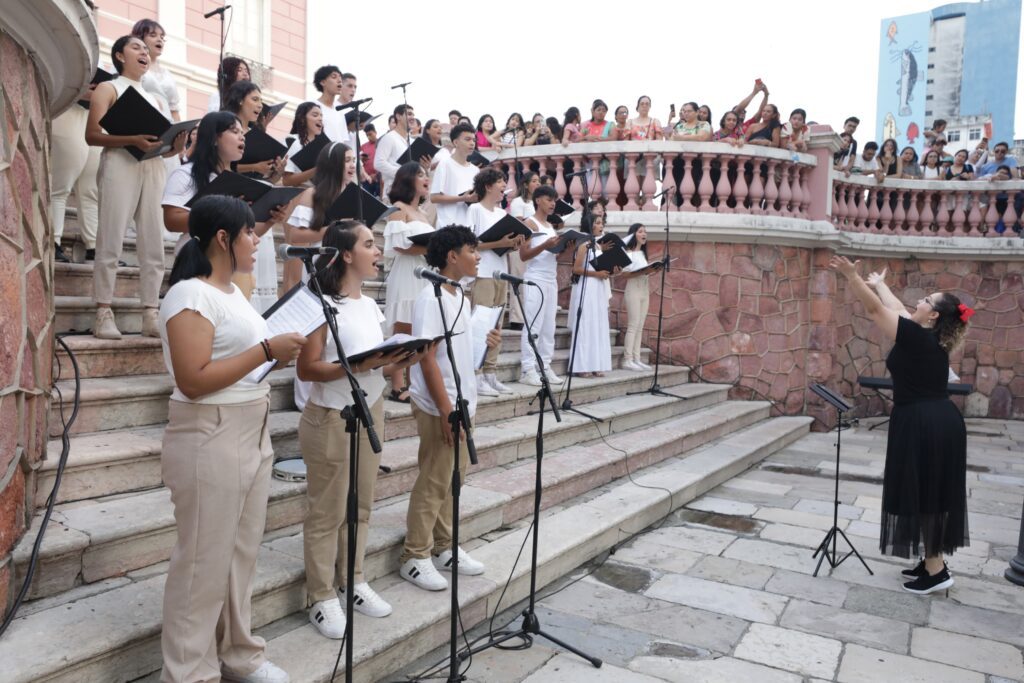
x: 451, y: 189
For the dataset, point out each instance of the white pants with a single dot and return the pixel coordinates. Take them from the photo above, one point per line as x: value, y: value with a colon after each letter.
x: 638, y: 301
x: 543, y: 326
x: 73, y: 166
x: 130, y: 189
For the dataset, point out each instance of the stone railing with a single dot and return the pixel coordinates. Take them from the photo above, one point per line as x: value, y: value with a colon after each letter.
x: 926, y: 207
x: 708, y: 177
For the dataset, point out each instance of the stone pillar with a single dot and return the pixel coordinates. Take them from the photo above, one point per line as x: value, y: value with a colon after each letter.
x: 823, y: 144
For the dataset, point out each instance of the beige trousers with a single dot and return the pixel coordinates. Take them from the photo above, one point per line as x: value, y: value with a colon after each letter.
x: 216, y: 461
x: 324, y: 443
x: 638, y: 301
x: 73, y: 166
x: 517, y: 267
x: 130, y: 189
x: 490, y: 292
x: 429, y: 520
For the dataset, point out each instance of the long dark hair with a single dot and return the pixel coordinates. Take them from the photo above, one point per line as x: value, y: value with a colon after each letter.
x: 342, y: 236
x: 949, y: 328
x: 524, y: 186
x: 299, y: 127
x: 227, y: 75
x: 328, y: 177
x: 632, y: 245
x: 403, y: 187
x: 210, y: 215
x: 205, y: 158
x: 236, y: 94
x: 480, y: 123
x: 426, y: 126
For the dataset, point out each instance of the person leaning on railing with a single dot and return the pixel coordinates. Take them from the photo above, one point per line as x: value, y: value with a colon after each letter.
x: 731, y: 130
x: 768, y: 131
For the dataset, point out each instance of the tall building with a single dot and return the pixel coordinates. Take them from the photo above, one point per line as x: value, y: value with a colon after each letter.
x: 269, y: 34
x: 957, y: 62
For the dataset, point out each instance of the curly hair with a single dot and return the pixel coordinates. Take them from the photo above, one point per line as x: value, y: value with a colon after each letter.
x: 486, y: 179
x: 446, y: 240
x: 949, y: 328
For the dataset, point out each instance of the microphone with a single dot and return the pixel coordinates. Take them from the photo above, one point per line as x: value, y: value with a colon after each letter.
x: 286, y: 251
x: 573, y: 175
x: 665, y: 191
x: 508, y: 277
x: 219, y: 10
x: 401, y: 85
x: 353, y: 103
x: 438, y: 279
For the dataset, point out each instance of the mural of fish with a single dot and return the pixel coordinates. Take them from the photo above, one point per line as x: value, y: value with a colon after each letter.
x: 892, y: 33
x: 889, y: 129
x: 908, y: 78
x: 912, y: 133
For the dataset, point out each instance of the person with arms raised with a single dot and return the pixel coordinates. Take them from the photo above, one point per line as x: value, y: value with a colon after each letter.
x: 216, y: 455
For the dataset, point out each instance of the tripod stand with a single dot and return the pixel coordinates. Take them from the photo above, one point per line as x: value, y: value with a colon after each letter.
x: 591, y: 248
x: 655, y: 388
x: 531, y: 624
x: 354, y: 414
x: 832, y: 555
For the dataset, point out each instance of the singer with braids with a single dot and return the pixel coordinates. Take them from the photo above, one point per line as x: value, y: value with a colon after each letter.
x: 924, y: 500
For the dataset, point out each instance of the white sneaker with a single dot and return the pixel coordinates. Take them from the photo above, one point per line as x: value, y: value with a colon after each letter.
x: 467, y: 565
x: 552, y: 377
x: 492, y: 380
x: 422, y: 573
x: 483, y: 388
x: 268, y: 673
x: 631, y: 365
x: 329, y: 618
x: 531, y: 378
x: 643, y: 365
x: 366, y: 601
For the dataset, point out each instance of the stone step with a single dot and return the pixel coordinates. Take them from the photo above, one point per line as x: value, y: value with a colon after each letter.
x: 101, y: 538
x: 125, y: 460
x: 76, y: 313
x: 134, y: 354
x: 123, y: 402
x: 124, y: 643
x: 134, y: 401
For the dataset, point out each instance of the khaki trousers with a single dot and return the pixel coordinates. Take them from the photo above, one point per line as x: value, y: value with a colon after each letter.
x: 324, y: 443
x: 73, y: 166
x: 489, y: 292
x: 638, y: 301
x: 429, y: 520
x: 216, y: 461
x: 130, y: 189
x: 517, y: 267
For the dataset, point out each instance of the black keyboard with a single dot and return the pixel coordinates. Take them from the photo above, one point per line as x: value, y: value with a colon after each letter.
x: 886, y: 383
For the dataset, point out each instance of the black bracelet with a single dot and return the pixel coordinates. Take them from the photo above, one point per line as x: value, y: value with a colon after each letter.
x: 266, y: 350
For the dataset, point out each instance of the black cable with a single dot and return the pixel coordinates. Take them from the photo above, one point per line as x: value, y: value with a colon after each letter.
x: 51, y: 500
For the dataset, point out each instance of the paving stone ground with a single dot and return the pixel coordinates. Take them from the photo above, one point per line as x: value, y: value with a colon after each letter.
x: 722, y: 591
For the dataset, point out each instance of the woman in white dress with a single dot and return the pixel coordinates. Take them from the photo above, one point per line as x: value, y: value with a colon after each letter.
x: 408, y: 192
x: 593, y: 355
x: 157, y: 79
x: 521, y: 208
x: 335, y: 169
x: 308, y: 123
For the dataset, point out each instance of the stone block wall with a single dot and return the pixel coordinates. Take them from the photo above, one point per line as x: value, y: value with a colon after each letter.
x: 26, y: 301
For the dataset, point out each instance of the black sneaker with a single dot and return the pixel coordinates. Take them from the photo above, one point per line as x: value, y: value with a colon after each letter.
x: 929, y: 583
x: 59, y: 255
x: 917, y: 571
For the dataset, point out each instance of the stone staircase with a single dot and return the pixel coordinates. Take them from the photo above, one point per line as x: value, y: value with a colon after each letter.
x: 95, y: 604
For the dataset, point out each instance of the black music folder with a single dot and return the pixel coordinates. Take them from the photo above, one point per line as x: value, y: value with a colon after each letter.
x: 420, y: 148
x: 421, y: 239
x: 100, y: 76
x: 609, y: 260
x: 563, y: 208
x: 347, y: 206
x: 568, y: 237
x: 132, y: 114
x: 506, y: 225
x: 261, y: 147
x: 262, y: 196
x: 305, y: 158
x: 478, y: 159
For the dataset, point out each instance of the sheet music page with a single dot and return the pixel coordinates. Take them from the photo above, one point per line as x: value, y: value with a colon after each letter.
x: 298, y: 311
x: 484, y: 319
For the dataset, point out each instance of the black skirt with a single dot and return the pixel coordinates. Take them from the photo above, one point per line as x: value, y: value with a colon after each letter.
x: 924, y: 494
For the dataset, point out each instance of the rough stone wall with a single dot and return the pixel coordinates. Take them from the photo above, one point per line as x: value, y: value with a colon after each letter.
x: 26, y: 301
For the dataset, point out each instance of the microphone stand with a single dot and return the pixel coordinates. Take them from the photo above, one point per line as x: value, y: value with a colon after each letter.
x: 655, y: 388
x: 459, y: 420
x: 531, y: 624
x: 405, y: 101
x: 354, y: 414
x: 221, y: 76
x: 359, y: 175
x: 591, y: 248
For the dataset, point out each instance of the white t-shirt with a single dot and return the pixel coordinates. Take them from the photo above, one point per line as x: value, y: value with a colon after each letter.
x: 390, y: 146
x: 452, y: 178
x: 480, y: 219
x: 442, y: 154
x: 237, y: 327
x: 426, y: 322
x: 521, y: 209
x: 180, y: 188
x: 866, y: 166
x: 290, y: 166
x: 334, y: 124
x: 160, y: 81
x: 359, y: 328
x: 543, y: 266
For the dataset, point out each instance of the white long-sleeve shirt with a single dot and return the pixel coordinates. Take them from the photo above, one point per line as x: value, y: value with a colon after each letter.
x: 390, y: 146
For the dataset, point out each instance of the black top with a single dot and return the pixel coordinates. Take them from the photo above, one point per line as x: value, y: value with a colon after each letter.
x: 918, y: 365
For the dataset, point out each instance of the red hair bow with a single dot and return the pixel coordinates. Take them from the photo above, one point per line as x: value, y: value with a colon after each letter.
x: 965, y: 312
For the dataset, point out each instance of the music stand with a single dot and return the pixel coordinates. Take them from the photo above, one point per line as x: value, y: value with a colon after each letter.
x: 841, y: 406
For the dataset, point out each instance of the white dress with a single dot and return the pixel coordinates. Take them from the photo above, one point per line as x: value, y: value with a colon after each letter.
x: 594, y: 349
x: 402, y: 284
x: 264, y: 295
x: 300, y: 218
